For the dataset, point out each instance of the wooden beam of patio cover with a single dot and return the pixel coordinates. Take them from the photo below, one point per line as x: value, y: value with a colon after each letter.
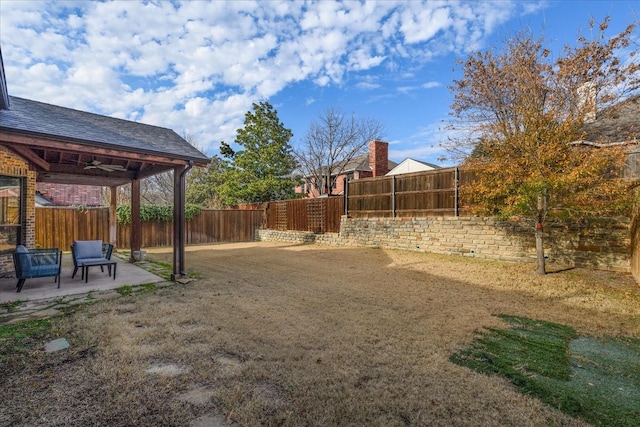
x: 83, y: 148
x: 28, y: 154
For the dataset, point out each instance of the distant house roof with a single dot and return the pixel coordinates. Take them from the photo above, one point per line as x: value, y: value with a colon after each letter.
x: 361, y: 163
x: 42, y: 200
x: 409, y: 165
x: 618, y: 123
x: 33, y: 117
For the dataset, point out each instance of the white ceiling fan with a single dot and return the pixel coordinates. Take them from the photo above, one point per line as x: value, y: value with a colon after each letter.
x: 95, y: 164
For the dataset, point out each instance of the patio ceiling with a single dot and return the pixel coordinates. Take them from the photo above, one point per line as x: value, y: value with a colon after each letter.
x: 65, y: 163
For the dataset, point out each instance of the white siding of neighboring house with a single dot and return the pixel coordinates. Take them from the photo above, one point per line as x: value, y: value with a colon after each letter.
x: 410, y: 165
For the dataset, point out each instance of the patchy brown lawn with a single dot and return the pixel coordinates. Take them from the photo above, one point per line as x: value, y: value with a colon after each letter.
x: 276, y: 334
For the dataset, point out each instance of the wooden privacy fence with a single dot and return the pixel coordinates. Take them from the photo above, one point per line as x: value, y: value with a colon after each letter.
x: 210, y: 226
x: 319, y: 215
x: 420, y: 194
x: 59, y: 227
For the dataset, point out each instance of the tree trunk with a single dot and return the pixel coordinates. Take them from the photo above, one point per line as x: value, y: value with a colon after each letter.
x: 540, y: 247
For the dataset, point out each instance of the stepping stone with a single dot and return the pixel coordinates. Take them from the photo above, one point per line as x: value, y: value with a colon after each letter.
x: 197, y: 396
x: 56, y: 345
x: 229, y: 361
x: 211, y: 420
x: 170, y: 369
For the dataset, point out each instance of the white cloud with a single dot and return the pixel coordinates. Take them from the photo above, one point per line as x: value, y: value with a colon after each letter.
x: 430, y: 85
x: 422, y: 23
x: 197, y: 66
x: 368, y: 85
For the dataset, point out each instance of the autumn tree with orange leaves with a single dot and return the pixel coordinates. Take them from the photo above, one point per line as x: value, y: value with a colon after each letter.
x: 517, y: 120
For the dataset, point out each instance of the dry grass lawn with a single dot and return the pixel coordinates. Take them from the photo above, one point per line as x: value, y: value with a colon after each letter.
x: 276, y: 334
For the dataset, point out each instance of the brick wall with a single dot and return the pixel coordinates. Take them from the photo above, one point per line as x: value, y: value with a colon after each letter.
x: 71, y: 194
x: 603, y: 248
x: 10, y: 164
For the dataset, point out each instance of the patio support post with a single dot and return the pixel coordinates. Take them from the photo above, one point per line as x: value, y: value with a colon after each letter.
x: 179, y: 178
x: 113, y: 224
x: 136, y: 224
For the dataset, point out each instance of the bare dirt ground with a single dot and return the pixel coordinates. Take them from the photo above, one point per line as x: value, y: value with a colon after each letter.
x: 277, y: 334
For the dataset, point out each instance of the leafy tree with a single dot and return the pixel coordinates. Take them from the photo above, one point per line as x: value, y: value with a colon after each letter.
x: 156, y: 189
x: 203, y: 184
x: 331, y: 142
x: 516, y: 113
x: 262, y: 169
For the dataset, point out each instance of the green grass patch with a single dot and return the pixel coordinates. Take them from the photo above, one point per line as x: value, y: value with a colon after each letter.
x: 19, y: 338
x: 11, y: 306
x: 140, y: 289
x: 147, y: 287
x: 597, y: 380
x: 125, y: 290
x: 159, y: 268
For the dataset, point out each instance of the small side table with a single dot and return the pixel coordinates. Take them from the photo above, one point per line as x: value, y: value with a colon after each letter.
x: 106, y: 262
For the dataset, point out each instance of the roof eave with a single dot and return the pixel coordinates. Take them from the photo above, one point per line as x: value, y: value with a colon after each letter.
x: 197, y: 161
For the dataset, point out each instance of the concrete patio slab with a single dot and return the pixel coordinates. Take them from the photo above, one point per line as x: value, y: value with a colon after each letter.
x: 45, y: 288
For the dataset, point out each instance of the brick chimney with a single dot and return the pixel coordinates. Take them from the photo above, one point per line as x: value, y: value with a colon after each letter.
x: 379, y: 157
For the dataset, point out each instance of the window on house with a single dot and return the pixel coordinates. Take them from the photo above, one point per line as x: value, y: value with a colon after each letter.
x: 11, y: 212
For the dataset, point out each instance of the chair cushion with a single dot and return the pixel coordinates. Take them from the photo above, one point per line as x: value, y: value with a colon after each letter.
x: 44, y: 270
x: 88, y: 260
x: 88, y: 249
x: 25, y: 260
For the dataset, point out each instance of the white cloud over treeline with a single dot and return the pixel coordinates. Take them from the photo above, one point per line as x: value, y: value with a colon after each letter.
x: 197, y: 66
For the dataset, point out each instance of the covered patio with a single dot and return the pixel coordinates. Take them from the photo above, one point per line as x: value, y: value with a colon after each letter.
x: 44, y: 288
x: 42, y: 142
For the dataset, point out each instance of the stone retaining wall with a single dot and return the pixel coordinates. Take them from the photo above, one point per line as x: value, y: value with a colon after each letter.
x: 583, y: 246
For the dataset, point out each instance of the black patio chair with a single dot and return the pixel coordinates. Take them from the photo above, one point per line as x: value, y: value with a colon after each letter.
x: 32, y: 263
x: 87, y: 251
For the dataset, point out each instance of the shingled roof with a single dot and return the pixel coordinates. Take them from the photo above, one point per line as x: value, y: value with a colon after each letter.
x: 47, y: 120
x: 618, y: 123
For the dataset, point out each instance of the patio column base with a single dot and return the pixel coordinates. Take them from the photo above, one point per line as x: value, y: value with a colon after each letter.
x: 175, y: 277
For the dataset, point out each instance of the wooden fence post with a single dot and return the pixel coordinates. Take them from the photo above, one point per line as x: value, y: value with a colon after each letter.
x: 393, y: 196
x: 345, y: 186
x: 456, y: 195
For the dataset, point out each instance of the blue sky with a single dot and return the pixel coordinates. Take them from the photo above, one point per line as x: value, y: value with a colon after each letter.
x: 196, y: 66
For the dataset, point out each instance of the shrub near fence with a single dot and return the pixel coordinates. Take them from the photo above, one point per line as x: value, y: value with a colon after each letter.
x: 59, y: 227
